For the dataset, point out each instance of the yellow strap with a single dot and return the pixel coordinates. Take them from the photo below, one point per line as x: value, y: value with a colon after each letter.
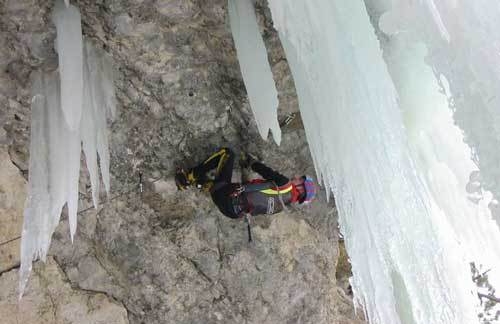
x: 276, y: 192
x: 216, y: 154
x: 223, y: 158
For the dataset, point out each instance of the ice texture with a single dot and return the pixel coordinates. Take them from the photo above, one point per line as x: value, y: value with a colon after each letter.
x: 54, y: 172
x: 70, y: 51
x: 469, y: 61
x: 384, y: 142
x: 444, y: 162
x: 55, y: 151
x: 255, y: 68
x: 99, y: 104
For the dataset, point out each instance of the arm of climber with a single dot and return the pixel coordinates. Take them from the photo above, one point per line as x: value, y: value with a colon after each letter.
x: 269, y: 174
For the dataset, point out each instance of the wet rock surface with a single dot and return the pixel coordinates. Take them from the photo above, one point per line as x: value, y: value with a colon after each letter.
x: 163, y: 256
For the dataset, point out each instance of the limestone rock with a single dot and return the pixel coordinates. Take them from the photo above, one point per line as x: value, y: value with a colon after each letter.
x: 49, y: 299
x: 12, y: 198
x: 166, y: 256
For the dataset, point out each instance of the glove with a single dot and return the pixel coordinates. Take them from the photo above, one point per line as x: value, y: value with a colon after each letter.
x: 247, y: 160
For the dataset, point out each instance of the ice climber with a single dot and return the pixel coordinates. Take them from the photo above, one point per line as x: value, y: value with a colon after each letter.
x: 256, y: 197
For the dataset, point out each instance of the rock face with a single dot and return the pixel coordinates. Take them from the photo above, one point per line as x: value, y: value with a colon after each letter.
x: 163, y: 256
x: 189, y: 264
x: 12, y: 197
x: 51, y: 300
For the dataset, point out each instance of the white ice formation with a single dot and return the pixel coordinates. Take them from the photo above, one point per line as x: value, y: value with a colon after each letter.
x: 255, y: 68
x: 54, y: 170
x: 55, y: 147
x: 468, y: 58
x: 383, y: 140
x: 98, y: 105
x: 70, y: 49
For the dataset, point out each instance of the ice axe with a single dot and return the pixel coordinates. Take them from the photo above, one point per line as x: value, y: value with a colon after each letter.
x: 249, y: 228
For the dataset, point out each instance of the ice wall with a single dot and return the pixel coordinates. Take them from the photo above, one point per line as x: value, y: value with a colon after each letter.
x: 254, y: 65
x: 437, y: 144
x: 55, y: 150
x: 469, y: 60
x: 70, y: 50
x: 440, y: 154
x: 398, y: 176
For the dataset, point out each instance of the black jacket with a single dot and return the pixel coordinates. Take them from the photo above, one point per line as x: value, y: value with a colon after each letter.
x: 267, y: 201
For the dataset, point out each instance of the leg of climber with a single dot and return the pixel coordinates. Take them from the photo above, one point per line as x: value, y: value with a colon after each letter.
x: 224, y: 171
x: 198, y: 175
x: 223, y: 188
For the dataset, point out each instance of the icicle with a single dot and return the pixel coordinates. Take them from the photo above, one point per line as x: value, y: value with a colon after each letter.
x: 55, y: 151
x: 101, y: 105
x: 54, y: 171
x: 89, y: 129
x: 254, y: 65
x: 69, y: 48
x: 37, y: 204
x: 436, y: 16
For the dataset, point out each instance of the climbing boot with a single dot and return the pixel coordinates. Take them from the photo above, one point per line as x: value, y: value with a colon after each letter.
x: 184, y: 179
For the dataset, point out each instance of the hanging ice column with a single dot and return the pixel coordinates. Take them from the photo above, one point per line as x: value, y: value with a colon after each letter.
x: 98, y: 105
x: 55, y: 147
x: 254, y: 65
x: 409, y: 263
x: 54, y: 170
x: 70, y: 49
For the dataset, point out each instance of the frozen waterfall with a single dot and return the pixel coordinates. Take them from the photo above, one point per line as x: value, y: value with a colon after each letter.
x: 254, y: 65
x: 383, y: 140
x: 468, y: 59
x: 56, y: 144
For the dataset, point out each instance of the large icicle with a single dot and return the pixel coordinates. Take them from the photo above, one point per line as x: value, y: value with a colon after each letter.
x: 37, y: 208
x: 70, y: 50
x: 99, y: 103
x: 254, y: 65
x: 54, y: 171
x: 89, y: 129
x: 55, y: 153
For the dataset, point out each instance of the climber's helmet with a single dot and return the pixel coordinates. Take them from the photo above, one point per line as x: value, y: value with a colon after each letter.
x: 306, y: 187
